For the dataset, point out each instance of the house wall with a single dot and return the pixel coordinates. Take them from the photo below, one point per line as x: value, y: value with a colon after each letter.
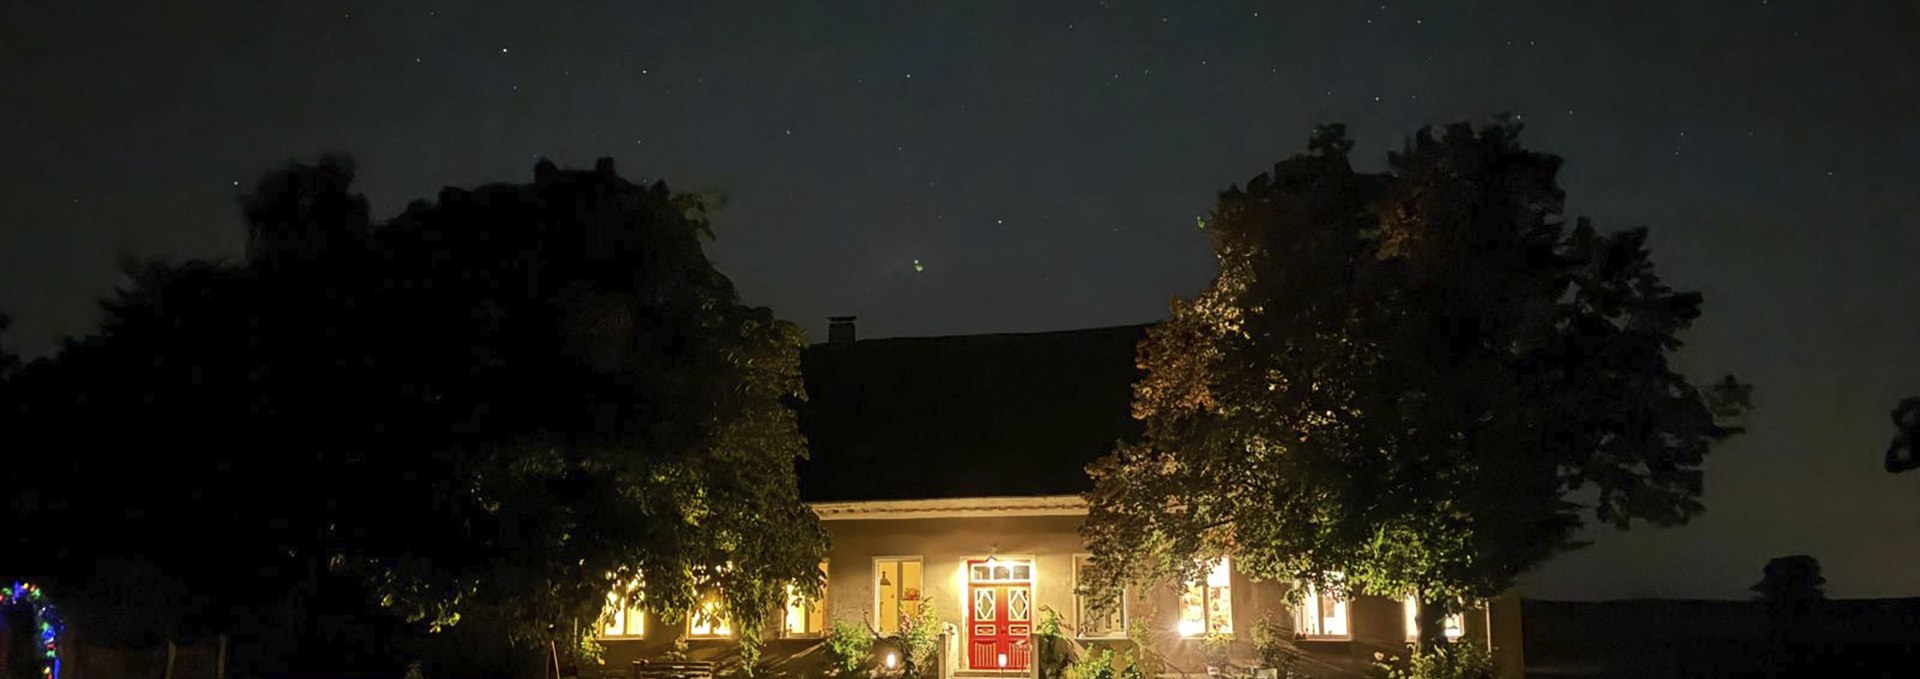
x: 944, y: 545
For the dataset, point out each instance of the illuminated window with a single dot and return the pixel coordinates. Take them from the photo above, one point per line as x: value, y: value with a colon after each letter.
x: 622, y: 616
x: 708, y: 620
x: 896, y: 592
x: 1454, y: 625
x: 1097, y: 622
x: 1206, y: 607
x: 807, y: 616
x: 1321, y: 616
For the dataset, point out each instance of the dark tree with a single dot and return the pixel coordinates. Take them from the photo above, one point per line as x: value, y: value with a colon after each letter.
x: 1791, y: 581
x: 491, y: 409
x: 1424, y: 380
x: 1901, y: 453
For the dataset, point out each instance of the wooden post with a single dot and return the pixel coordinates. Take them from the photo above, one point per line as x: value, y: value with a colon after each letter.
x: 220, y: 659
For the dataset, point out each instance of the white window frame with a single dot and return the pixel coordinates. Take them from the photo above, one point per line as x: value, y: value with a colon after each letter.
x: 1225, y: 568
x: 1311, y: 605
x: 873, y: 581
x: 719, y: 613
x: 1079, y: 607
x: 1453, y: 627
x: 627, y: 608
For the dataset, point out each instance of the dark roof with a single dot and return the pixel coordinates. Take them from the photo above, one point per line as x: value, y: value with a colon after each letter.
x: 965, y: 416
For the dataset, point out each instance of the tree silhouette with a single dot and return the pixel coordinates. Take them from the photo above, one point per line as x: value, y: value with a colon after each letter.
x: 1791, y: 581
x: 1901, y: 453
x: 494, y: 407
x: 1400, y: 378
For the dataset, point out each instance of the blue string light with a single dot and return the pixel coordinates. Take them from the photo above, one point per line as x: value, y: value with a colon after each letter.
x: 29, y: 595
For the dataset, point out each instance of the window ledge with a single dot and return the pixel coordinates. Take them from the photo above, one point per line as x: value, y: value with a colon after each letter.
x: 1325, y: 639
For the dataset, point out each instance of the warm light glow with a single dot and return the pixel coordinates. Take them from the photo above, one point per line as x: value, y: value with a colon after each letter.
x: 1003, y: 660
x: 806, y: 616
x: 708, y: 620
x: 892, y: 659
x: 1454, y: 626
x: 897, y: 595
x: 1207, y: 606
x: 1321, y: 614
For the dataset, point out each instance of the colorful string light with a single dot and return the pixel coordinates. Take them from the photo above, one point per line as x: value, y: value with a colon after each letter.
x: 29, y: 595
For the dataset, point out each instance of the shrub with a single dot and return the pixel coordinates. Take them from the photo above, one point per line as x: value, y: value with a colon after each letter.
x: 1215, y: 645
x: 1093, y: 665
x: 1450, y: 661
x: 920, y: 637
x: 848, y: 646
x: 1271, y: 644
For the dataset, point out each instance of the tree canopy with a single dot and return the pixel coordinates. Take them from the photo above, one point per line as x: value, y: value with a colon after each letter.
x: 1421, y: 381
x: 500, y: 405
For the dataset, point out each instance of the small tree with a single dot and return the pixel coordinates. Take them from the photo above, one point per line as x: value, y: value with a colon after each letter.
x: 1398, y: 381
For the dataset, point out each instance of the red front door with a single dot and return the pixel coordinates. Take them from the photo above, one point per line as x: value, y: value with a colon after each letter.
x: 999, y: 614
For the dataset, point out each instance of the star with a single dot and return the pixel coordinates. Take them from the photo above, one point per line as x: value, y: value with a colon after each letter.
x: 917, y: 267
x: 503, y: 50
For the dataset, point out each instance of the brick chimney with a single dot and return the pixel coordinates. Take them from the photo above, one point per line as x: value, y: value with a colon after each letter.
x: 840, y: 330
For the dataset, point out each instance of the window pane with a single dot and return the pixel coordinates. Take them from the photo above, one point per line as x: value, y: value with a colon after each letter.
x: 1094, y: 622
x: 897, y: 590
x: 1322, y: 615
x: 1453, y: 626
x: 1193, y: 612
x: 622, y: 616
x: 1207, y: 606
x: 807, y: 616
x: 708, y: 620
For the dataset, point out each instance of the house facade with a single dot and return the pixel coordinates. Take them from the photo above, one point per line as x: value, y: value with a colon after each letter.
x: 947, y: 472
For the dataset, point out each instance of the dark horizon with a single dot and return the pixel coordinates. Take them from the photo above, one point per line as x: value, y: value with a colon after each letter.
x: 963, y: 169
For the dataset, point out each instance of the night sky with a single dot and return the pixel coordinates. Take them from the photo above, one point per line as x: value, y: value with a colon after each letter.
x: 1044, y: 162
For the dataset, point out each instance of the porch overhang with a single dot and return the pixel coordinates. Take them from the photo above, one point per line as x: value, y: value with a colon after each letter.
x: 951, y: 508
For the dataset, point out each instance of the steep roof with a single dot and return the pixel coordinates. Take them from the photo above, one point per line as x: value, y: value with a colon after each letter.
x: 965, y: 416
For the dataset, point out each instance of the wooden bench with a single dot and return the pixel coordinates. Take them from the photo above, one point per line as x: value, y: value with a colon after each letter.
x: 659, y: 669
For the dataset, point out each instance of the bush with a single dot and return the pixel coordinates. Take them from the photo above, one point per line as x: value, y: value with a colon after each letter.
x: 1216, y: 645
x: 848, y: 646
x: 1092, y: 665
x: 920, y: 637
x: 1450, y: 661
x: 1271, y: 644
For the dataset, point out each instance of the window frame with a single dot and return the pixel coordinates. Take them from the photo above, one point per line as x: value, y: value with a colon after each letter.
x: 1410, y: 611
x: 873, y: 579
x: 1206, y: 602
x: 786, y: 632
x: 1080, y: 607
x: 1312, y: 603
x: 718, y: 614
x: 628, y: 606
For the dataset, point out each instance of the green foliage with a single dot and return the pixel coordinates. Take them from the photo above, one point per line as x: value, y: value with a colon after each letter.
x: 1402, y: 377
x: 1445, y: 661
x: 489, y: 410
x: 849, y: 647
x: 1272, y: 644
x: 1094, y: 664
x: 1050, y: 643
x: 1103, y: 663
x: 1216, y: 647
x: 920, y: 638
x: 1149, y: 661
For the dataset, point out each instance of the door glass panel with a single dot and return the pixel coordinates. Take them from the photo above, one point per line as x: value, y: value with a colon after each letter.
x: 983, y: 604
x: 1023, y: 572
x: 1017, y: 606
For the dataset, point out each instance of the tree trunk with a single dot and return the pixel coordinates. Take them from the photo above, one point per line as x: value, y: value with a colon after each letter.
x: 172, y: 652
x: 1430, y: 622
x: 220, y: 660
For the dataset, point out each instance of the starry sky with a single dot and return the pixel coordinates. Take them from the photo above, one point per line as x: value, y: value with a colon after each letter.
x: 967, y: 167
